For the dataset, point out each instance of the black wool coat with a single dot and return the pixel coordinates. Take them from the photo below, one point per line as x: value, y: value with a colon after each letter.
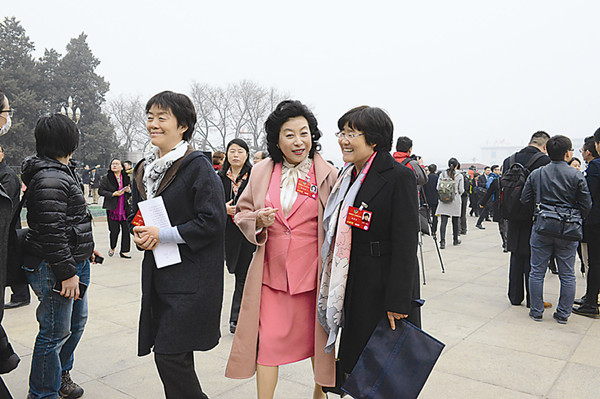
x: 383, y: 273
x: 181, y: 304
x: 5, y: 218
x: 519, y: 232
x: 238, y: 250
x: 108, y: 185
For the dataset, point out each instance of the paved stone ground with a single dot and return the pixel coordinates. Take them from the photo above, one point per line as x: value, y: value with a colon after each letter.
x: 492, y: 349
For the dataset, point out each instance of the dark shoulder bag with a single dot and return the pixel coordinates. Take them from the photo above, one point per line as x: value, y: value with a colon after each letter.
x: 554, y: 221
x: 16, y: 241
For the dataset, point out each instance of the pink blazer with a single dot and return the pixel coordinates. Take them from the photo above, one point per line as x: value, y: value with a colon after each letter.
x: 242, y: 359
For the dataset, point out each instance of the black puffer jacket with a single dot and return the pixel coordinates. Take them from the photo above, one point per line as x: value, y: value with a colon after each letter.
x: 60, y: 228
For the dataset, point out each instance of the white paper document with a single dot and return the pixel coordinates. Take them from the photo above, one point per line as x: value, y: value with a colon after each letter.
x: 154, y: 213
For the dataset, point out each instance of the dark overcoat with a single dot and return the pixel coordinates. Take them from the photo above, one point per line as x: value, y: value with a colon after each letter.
x: 5, y: 218
x: 238, y: 250
x: 181, y: 304
x: 108, y: 185
x: 519, y: 232
x: 383, y: 274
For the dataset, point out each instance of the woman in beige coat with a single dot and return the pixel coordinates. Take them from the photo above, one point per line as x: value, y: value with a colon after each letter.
x: 276, y: 214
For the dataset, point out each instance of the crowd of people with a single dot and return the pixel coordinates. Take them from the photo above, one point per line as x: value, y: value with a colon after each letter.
x: 319, y: 255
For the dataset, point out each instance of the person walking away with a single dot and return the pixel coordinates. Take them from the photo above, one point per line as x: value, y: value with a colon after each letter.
x: 591, y: 230
x: 519, y: 229
x: 480, y: 189
x: 116, y: 190
x: 238, y: 250
x: 57, y: 253
x: 450, y: 187
x: 431, y: 196
x: 95, y: 183
x: 464, y: 201
x: 559, y: 186
x: 491, y: 199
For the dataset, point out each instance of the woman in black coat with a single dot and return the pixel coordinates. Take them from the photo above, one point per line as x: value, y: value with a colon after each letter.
x: 116, y: 191
x: 181, y: 303
x: 238, y: 251
x: 382, y: 276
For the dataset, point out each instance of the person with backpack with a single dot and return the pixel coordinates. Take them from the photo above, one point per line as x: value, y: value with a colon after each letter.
x: 491, y: 199
x: 450, y: 187
x: 403, y: 155
x: 516, y: 169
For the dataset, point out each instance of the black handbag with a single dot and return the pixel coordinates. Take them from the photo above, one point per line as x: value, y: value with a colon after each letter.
x: 16, y: 241
x: 555, y: 221
x: 394, y: 364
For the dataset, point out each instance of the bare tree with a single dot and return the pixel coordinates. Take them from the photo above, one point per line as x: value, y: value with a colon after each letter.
x: 239, y: 110
x: 129, y: 120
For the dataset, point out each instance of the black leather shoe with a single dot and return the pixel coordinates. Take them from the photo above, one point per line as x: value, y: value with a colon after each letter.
x: 14, y: 305
x: 480, y: 227
x: 586, y: 310
x: 122, y: 255
x: 442, y: 244
x: 456, y: 242
x: 232, y: 327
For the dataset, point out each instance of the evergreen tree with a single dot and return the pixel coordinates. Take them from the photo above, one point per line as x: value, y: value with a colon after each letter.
x: 19, y: 81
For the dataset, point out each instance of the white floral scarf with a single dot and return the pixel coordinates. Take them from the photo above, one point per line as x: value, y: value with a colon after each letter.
x: 155, y: 167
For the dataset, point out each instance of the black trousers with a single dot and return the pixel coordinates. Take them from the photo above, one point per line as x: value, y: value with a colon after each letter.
x: 434, y: 218
x: 114, y: 227
x: 502, y: 228
x: 463, y: 215
x: 484, y: 214
x: 444, y: 223
x: 592, y: 236
x: 20, y: 293
x: 518, y: 277
x: 178, y: 376
x: 236, y: 302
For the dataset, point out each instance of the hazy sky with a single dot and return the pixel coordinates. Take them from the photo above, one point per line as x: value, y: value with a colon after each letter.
x: 454, y: 75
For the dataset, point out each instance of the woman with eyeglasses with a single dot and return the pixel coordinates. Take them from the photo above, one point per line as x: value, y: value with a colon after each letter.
x: 282, y: 215
x: 370, y: 269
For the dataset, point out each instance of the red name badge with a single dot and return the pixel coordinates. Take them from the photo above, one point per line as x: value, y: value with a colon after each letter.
x: 359, y: 218
x: 305, y: 188
x: 138, y: 220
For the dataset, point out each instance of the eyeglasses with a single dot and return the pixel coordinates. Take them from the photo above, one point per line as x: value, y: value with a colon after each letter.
x: 349, y: 136
x: 9, y: 111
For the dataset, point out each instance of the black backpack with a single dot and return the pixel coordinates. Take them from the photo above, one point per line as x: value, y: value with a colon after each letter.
x: 511, y: 186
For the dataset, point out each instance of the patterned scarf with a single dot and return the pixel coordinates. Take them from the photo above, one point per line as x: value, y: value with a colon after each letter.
x: 155, y: 167
x: 235, y: 185
x: 289, y: 179
x: 336, y: 251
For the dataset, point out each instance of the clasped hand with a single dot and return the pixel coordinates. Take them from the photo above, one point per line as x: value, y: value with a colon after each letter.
x: 392, y: 317
x: 146, y: 237
x: 265, y: 217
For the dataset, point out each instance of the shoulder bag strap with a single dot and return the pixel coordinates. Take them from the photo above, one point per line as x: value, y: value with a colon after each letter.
x: 533, y: 159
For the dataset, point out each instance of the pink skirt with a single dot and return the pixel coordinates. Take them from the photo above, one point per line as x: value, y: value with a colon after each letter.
x: 286, y: 327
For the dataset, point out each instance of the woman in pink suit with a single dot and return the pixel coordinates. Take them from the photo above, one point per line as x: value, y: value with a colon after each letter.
x: 280, y: 213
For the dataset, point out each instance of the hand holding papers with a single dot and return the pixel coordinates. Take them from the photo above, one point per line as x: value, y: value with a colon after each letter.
x: 154, y: 213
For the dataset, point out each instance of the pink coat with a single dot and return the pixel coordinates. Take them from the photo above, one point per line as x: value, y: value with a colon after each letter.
x: 242, y: 359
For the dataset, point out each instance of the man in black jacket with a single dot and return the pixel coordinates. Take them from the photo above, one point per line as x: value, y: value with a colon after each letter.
x: 591, y: 231
x: 519, y: 231
x: 561, y: 186
x: 12, y: 186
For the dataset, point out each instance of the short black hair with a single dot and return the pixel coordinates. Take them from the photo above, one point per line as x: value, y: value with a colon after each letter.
x: 180, y: 106
x: 108, y: 172
x: 573, y: 160
x: 486, y: 167
x: 432, y: 168
x: 558, y: 146
x: 403, y: 144
x: 245, y: 167
x: 539, y: 138
x: 2, y: 100
x: 284, y: 111
x: 597, y: 136
x: 590, y: 145
x: 494, y: 167
x: 374, y: 122
x: 56, y: 136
